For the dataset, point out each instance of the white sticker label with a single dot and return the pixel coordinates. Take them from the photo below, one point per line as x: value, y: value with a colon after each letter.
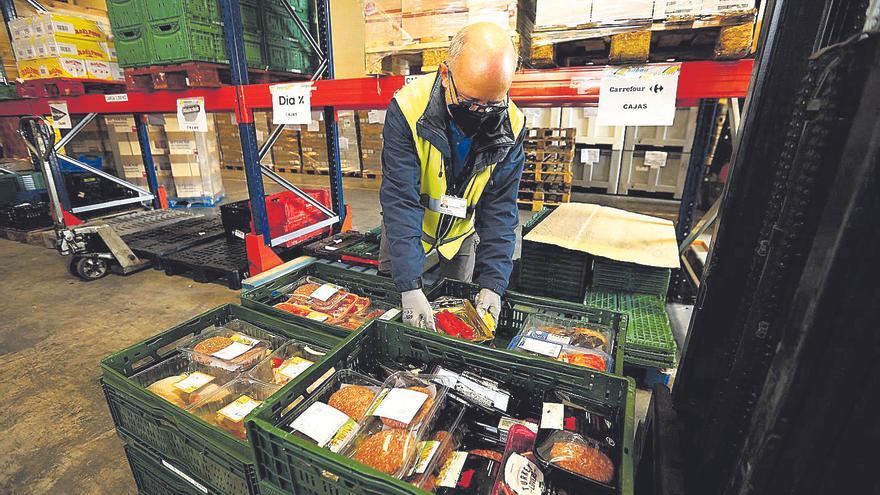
x: 330, y: 248
x: 473, y: 390
x: 401, y: 404
x: 295, y: 366
x: 506, y: 422
x: 638, y: 95
x: 552, y: 416
x: 376, y: 117
x: 590, y: 156
x: 60, y: 114
x: 320, y: 422
x: 343, y: 143
x: 291, y: 103
x: 523, y: 476
x: 655, y: 159
x: 240, y: 344
x: 325, y: 292
x: 452, y: 469
x: 116, y: 98
x: 186, y: 477
x: 540, y: 347
x: 194, y: 382
x: 426, y: 449
x: 191, y: 115
x: 236, y: 410
x: 452, y: 205
x: 388, y: 315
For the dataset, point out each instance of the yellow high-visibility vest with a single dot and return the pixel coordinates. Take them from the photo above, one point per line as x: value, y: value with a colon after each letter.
x: 413, y: 99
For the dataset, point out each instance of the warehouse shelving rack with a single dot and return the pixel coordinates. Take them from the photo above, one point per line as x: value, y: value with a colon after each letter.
x: 578, y: 86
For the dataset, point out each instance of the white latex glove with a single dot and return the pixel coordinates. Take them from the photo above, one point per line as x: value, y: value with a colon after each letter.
x: 416, y: 309
x: 487, y: 301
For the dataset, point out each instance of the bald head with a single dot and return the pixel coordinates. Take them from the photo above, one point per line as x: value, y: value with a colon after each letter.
x: 482, y: 60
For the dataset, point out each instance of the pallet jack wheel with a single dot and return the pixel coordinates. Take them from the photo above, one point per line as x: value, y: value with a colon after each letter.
x: 89, y: 267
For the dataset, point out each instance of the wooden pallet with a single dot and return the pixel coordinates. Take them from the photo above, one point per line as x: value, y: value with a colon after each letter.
x: 60, y: 86
x: 419, y: 57
x: 719, y: 38
x: 196, y: 75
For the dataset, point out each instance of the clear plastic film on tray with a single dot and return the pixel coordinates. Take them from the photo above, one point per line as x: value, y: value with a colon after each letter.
x: 570, y: 341
x: 315, y: 299
x: 228, y: 406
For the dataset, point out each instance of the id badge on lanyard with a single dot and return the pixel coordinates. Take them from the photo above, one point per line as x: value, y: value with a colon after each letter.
x: 452, y: 205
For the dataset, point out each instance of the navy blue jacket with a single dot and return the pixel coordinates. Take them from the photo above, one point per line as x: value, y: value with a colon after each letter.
x: 496, y: 214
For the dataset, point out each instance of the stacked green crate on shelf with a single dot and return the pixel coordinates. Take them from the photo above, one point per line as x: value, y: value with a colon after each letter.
x: 609, y: 274
x: 285, y: 43
x: 649, y: 338
x: 160, y: 32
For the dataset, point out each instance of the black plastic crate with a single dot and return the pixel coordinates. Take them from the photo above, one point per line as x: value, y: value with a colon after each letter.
x: 155, y: 243
x: 236, y: 219
x: 27, y: 216
x: 331, y: 248
x: 222, y: 260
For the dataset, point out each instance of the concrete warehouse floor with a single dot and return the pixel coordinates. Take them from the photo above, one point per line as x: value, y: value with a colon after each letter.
x: 56, y: 434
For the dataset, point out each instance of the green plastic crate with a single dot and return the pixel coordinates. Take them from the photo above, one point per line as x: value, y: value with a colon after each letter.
x: 133, y: 47
x: 516, y: 307
x: 8, y: 188
x: 601, y: 300
x: 201, y: 10
x: 630, y: 277
x: 153, y: 478
x: 30, y: 181
x: 287, y: 464
x: 253, y: 51
x: 183, y: 40
x: 251, y: 17
x: 278, y: 24
x: 126, y: 13
x: 264, y: 297
x: 287, y: 56
x: 208, y: 455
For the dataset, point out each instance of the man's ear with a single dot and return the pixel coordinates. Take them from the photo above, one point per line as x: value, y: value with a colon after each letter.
x: 444, y: 75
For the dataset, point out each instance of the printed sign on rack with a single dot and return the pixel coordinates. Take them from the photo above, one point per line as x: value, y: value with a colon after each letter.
x: 638, y: 95
x: 291, y: 103
x: 191, y: 115
x: 60, y: 114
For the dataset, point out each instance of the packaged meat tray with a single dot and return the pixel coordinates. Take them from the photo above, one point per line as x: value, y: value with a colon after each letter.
x: 569, y: 341
x: 520, y: 473
x: 329, y: 303
x: 443, y: 437
x: 395, y: 423
x: 286, y: 363
x: 458, y: 318
x: 330, y: 417
x: 227, y: 407
x: 236, y: 346
x: 183, y: 381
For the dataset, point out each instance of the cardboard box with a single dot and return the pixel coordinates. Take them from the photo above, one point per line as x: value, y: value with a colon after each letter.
x: 42, y: 68
x: 433, y: 24
x: 184, y: 166
x: 53, y: 23
x: 553, y: 13
x: 20, y: 28
x: 24, y: 49
x: 103, y: 70
x: 64, y: 46
x: 383, y: 30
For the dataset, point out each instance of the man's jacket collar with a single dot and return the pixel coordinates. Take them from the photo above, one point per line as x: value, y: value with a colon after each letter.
x: 491, y: 145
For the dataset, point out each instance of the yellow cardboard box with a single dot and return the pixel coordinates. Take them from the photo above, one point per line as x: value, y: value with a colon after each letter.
x: 67, y: 46
x: 67, y: 25
x: 20, y: 28
x: 100, y: 69
x: 24, y: 49
x: 42, y: 68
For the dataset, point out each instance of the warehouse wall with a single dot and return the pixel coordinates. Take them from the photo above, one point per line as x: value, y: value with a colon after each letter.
x: 348, y: 37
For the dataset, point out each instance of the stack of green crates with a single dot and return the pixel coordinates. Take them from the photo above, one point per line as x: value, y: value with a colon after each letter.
x: 285, y: 44
x: 630, y: 277
x: 649, y: 339
x: 552, y: 271
x: 161, y: 32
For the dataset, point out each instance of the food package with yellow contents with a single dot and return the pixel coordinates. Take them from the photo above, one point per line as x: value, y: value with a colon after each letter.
x: 182, y: 381
x: 458, y: 318
x: 395, y: 423
x: 228, y: 406
x: 443, y: 437
x: 315, y: 299
x: 579, y: 442
x: 330, y: 417
x: 236, y: 346
x: 567, y: 340
x: 287, y: 362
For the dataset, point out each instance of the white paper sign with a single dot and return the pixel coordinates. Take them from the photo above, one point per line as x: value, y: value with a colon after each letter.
x: 116, y: 98
x: 590, y: 155
x: 401, y: 404
x: 191, y: 115
x: 343, y: 143
x: 60, y: 114
x: 638, y: 95
x: 376, y: 117
x: 655, y: 159
x: 291, y: 103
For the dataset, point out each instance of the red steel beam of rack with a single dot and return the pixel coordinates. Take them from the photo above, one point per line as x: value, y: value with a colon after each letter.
x: 553, y: 87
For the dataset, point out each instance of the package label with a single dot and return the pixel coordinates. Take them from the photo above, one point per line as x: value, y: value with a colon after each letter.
x: 323, y: 424
x: 390, y: 314
x: 451, y: 469
x: 522, y: 476
x: 426, y: 449
x: 540, y: 347
x: 400, y: 404
x: 552, y: 416
x: 194, y: 381
x: 655, y: 159
x: 240, y: 344
x: 638, y: 95
x: 239, y: 408
x: 324, y: 292
x: 295, y: 366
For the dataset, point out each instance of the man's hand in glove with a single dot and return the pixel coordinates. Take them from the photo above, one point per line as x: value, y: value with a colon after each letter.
x: 488, y: 301
x: 416, y: 309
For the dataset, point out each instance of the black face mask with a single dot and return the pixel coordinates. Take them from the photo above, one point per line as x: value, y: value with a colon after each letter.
x: 468, y: 121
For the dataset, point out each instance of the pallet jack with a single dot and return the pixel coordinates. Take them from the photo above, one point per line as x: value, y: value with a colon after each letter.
x: 96, y: 247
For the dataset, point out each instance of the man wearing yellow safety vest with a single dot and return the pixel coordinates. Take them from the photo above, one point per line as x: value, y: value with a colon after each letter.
x: 451, y: 163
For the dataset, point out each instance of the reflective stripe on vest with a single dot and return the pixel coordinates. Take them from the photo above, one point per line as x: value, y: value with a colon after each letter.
x: 413, y: 99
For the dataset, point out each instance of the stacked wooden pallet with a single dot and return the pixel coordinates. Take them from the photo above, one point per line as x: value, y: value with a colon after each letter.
x: 546, y: 180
